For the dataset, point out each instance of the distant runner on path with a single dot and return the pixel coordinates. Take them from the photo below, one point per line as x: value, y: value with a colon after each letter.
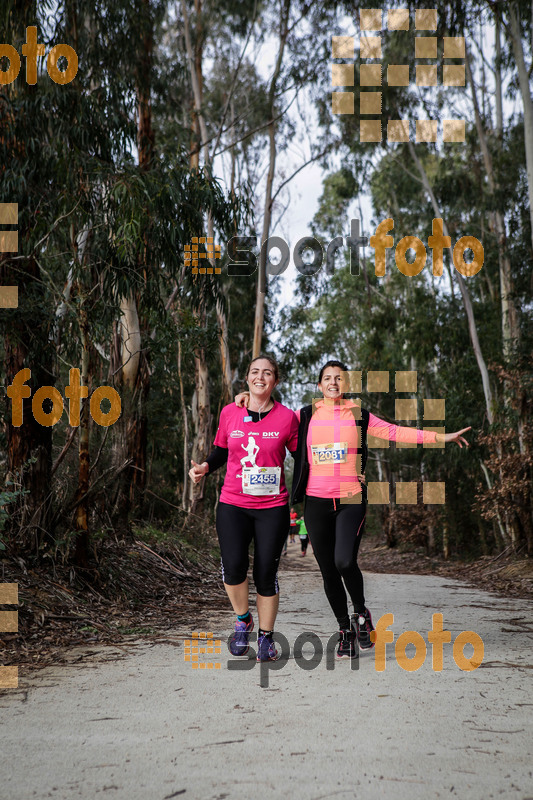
x: 304, y: 536
x: 254, y: 502
x: 293, y: 530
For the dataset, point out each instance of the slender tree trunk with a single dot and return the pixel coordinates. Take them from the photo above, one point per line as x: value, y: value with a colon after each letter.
x: 468, y: 308
x: 130, y: 341
x: 431, y: 539
x: 201, y: 403
x: 26, y: 338
x: 233, y: 159
x: 201, y: 423
x: 523, y: 79
x: 139, y: 440
x: 201, y: 413
x: 503, y: 534
x: 498, y: 79
x: 81, y: 553
x: 510, y: 327
x: 29, y: 447
x: 81, y: 247
x: 485, y: 103
x: 267, y: 218
x: 223, y: 336
x: 184, y: 493
x: 196, y: 67
x: 472, y: 328
x: 445, y: 538
x: 135, y: 374
x: 195, y: 56
x: 131, y: 430
x: 227, y: 382
x: 267, y: 211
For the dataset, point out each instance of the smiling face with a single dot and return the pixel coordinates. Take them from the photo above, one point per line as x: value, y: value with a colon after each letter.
x: 261, y: 378
x: 332, y: 383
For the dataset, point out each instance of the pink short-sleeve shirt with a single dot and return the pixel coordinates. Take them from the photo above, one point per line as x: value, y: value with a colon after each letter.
x: 255, y: 445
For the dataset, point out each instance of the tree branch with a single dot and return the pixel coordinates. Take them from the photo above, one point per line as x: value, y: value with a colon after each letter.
x: 309, y: 161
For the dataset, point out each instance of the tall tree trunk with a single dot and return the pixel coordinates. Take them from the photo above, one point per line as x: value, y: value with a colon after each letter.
x: 510, y: 328
x: 472, y: 328
x: 267, y: 218
x: 26, y: 335
x: 201, y: 400
x: 81, y: 246
x: 201, y: 421
x: 135, y: 376
x: 184, y: 493
x: 504, y: 536
x: 81, y: 553
x: 523, y: 79
x: 133, y: 379
x: 29, y: 447
x: 510, y: 325
x: 227, y: 382
x: 196, y: 67
x: 445, y: 538
x: 201, y: 414
x: 130, y: 341
x: 194, y: 57
x: 137, y: 448
x: 468, y: 308
x: 498, y: 79
x: 267, y: 210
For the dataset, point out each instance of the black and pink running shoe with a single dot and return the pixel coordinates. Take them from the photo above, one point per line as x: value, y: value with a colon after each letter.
x: 364, y: 627
x: 347, y: 644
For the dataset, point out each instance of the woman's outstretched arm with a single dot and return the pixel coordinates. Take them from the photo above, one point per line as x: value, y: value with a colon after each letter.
x: 401, y: 433
x: 454, y: 437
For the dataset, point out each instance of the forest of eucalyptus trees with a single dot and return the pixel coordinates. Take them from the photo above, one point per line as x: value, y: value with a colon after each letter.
x: 178, y: 125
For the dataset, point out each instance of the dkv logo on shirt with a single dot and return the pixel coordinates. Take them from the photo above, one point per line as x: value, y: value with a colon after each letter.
x: 271, y: 434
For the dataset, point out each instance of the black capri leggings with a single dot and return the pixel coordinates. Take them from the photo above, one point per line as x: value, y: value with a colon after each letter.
x: 236, y: 527
x: 335, y: 531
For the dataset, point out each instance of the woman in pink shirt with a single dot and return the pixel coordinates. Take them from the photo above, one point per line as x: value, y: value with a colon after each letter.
x: 254, y: 502
x: 329, y: 475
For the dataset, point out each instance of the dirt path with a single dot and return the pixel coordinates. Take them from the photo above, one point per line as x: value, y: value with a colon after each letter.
x: 137, y: 722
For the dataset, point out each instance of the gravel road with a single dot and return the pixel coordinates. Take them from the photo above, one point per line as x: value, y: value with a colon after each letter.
x: 139, y: 723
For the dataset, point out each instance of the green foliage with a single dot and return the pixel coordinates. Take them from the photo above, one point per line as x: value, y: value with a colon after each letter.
x: 96, y: 227
x: 7, y: 498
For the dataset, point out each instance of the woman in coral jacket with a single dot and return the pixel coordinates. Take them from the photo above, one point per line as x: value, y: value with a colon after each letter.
x: 328, y: 475
x: 254, y: 502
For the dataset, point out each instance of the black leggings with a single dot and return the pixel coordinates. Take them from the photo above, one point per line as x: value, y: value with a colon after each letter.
x: 236, y: 527
x: 335, y: 531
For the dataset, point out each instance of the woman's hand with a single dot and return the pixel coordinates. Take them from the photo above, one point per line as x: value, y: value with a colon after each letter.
x: 454, y: 437
x: 197, y: 471
x: 242, y: 400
